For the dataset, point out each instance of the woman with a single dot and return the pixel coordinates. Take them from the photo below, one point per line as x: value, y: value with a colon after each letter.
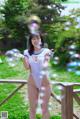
x: 36, y: 60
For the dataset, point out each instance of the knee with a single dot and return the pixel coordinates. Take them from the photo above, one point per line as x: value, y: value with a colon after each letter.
x: 44, y: 111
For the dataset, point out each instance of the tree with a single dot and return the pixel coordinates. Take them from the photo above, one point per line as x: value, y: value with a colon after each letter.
x: 49, y: 11
x: 13, y: 11
x: 68, y: 34
x: 16, y: 13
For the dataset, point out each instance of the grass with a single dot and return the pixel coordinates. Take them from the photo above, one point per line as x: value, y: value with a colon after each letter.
x: 9, y: 72
x: 63, y: 75
x: 16, y: 107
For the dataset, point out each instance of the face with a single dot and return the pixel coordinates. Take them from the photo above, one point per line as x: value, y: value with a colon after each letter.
x: 36, y: 41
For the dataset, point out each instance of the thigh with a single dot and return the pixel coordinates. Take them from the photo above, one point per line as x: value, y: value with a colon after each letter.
x: 32, y: 94
x: 46, y: 97
x: 46, y: 92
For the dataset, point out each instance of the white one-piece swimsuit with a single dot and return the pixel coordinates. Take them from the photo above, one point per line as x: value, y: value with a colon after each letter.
x: 36, y: 62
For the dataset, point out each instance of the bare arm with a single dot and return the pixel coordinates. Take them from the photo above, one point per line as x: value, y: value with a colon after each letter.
x: 49, y: 55
x: 26, y: 63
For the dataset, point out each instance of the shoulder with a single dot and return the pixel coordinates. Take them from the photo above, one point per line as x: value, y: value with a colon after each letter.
x: 46, y: 50
x: 26, y: 53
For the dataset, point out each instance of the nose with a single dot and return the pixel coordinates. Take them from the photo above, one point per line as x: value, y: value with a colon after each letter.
x: 36, y: 41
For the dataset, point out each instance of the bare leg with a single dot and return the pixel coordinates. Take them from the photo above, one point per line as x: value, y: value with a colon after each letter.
x: 47, y: 94
x: 33, y: 97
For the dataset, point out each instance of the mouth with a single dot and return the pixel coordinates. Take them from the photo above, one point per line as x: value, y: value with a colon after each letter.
x: 37, y: 45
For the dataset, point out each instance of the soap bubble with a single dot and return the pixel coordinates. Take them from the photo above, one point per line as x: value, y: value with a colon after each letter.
x: 74, y: 64
x: 40, y: 100
x: 34, y: 28
x: 77, y: 72
x: 55, y: 60
x: 43, y: 88
x: 60, y: 87
x: 43, y: 73
x: 39, y: 111
x: 34, y: 24
x: 13, y: 56
x: 1, y: 61
x: 73, y: 47
x: 54, y: 75
x: 41, y: 94
x: 10, y: 58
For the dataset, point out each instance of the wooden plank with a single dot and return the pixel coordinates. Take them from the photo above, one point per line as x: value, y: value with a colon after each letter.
x: 67, y: 102
x: 12, y: 81
x: 52, y: 82
x: 65, y: 83
x: 75, y: 116
x: 76, y: 91
x: 55, y: 98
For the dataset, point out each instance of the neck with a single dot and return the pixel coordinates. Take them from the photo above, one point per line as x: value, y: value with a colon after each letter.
x: 37, y: 49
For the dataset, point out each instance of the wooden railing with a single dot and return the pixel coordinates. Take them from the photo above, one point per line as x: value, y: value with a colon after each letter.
x: 21, y: 82
x: 67, y: 95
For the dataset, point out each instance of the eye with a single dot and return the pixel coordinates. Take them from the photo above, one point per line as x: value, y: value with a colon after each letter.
x: 33, y: 39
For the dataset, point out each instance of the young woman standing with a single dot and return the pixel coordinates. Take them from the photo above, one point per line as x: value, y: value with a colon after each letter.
x: 36, y: 60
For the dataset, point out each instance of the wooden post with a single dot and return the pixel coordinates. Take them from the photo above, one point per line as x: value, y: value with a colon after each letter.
x: 67, y: 102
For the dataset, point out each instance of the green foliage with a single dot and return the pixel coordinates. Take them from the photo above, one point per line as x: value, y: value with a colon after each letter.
x: 60, y: 1
x: 14, y: 20
x: 16, y: 14
x: 52, y: 117
x: 14, y: 25
x: 59, y: 38
x: 55, y: 117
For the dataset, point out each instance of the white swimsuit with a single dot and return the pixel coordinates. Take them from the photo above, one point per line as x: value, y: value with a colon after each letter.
x: 36, y: 61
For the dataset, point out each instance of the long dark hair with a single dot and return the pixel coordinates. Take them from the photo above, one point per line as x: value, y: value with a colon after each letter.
x: 31, y: 47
